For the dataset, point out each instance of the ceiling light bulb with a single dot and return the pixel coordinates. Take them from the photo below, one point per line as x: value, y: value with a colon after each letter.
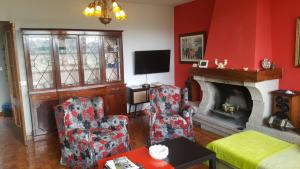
x: 118, y: 15
x: 86, y: 11
x: 92, y: 10
x: 116, y: 9
x: 122, y: 13
x: 115, y: 4
x: 98, y: 8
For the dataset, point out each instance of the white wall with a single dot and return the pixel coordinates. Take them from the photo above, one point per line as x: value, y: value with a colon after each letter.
x: 4, y: 90
x: 148, y: 27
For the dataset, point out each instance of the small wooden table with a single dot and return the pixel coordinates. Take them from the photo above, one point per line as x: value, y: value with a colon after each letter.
x: 136, y: 96
x: 183, y: 153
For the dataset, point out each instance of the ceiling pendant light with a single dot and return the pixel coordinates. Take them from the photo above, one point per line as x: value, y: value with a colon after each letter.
x: 103, y: 9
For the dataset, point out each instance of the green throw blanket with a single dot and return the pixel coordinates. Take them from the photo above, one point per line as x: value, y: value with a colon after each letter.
x: 252, y: 150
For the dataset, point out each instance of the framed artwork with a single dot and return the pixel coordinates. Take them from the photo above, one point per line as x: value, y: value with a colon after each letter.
x: 203, y: 64
x: 297, y: 46
x: 192, y: 47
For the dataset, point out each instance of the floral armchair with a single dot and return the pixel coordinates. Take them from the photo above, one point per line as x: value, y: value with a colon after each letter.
x: 86, y: 135
x: 170, y: 114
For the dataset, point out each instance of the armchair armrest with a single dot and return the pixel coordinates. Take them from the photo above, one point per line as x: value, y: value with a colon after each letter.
x: 151, y: 111
x: 187, y: 112
x: 78, y: 148
x: 115, y: 122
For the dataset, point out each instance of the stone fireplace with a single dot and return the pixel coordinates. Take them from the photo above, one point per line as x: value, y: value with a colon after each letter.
x: 248, y: 90
x: 238, y: 97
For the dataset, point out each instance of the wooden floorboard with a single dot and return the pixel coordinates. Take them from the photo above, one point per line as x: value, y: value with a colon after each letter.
x: 46, y: 154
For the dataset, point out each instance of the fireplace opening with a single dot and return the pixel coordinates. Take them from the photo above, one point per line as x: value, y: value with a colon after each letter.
x: 233, y: 105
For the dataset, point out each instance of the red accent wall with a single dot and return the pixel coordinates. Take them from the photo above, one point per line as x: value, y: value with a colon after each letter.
x: 232, y: 33
x: 283, y: 23
x: 240, y: 33
x: 190, y: 17
x: 244, y: 32
x: 263, y: 43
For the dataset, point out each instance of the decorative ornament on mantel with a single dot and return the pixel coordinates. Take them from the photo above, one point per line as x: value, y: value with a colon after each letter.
x: 221, y: 65
x: 266, y: 64
x: 103, y: 9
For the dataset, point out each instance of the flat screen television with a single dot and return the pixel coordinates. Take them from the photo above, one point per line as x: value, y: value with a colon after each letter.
x: 154, y: 61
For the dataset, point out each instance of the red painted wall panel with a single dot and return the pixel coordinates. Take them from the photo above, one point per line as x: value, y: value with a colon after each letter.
x: 190, y: 17
x: 283, y: 23
x: 263, y: 43
x: 244, y: 32
x: 232, y: 33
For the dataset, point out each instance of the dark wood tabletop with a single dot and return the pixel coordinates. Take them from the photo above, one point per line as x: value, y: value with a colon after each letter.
x: 184, y: 153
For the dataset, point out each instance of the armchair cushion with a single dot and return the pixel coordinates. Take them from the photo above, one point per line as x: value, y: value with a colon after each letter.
x: 168, y: 99
x: 115, y: 122
x: 175, y: 121
x: 78, y: 113
x: 109, y: 143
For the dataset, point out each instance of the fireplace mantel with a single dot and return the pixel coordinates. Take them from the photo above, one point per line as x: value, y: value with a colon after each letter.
x: 237, y: 75
x: 259, y: 84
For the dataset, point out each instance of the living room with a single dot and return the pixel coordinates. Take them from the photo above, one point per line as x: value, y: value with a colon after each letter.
x: 244, y: 33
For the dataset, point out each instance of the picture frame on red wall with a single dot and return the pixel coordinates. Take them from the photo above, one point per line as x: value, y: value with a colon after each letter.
x: 192, y: 47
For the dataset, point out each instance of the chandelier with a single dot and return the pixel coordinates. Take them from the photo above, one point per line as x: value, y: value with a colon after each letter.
x: 103, y: 9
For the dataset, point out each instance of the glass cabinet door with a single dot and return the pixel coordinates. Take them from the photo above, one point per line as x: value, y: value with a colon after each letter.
x: 41, y: 61
x: 68, y: 60
x: 90, y: 53
x: 112, y: 58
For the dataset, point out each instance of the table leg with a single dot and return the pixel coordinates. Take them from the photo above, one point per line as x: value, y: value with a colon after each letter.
x: 212, y: 163
x: 129, y: 109
x: 134, y: 110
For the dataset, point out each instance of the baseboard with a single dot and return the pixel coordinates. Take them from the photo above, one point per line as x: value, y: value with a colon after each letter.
x: 29, y: 138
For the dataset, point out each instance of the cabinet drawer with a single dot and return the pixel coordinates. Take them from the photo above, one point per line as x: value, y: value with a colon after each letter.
x: 44, y: 96
x: 116, y: 89
x: 139, y: 97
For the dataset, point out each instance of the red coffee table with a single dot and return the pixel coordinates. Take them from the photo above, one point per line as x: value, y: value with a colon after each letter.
x: 141, y: 156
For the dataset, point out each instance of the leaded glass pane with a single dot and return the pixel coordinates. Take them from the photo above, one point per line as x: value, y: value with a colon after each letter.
x: 90, y: 52
x: 68, y: 61
x: 112, y: 59
x: 41, y: 61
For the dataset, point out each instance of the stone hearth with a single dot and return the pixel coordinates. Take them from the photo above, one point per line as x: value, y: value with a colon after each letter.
x: 261, y: 109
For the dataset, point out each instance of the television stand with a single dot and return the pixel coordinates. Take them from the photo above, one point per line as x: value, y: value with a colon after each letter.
x: 139, y: 95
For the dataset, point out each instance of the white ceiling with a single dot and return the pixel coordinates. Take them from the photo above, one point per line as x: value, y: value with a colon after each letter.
x: 159, y: 2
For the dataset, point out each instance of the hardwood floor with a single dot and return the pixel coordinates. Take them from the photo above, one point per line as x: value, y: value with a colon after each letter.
x: 46, y: 154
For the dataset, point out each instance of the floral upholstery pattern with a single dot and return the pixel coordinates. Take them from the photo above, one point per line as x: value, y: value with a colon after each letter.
x: 86, y: 135
x: 170, y: 114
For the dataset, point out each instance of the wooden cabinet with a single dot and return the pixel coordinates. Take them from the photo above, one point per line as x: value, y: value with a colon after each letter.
x: 42, y: 112
x: 70, y: 63
x: 116, y: 101
x: 287, y: 106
